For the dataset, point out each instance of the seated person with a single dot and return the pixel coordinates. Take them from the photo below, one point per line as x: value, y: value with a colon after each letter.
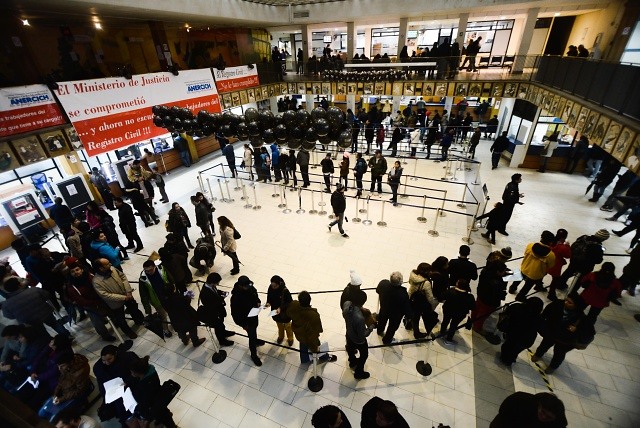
x: 22, y: 346
x: 73, y: 385
x: 113, y: 363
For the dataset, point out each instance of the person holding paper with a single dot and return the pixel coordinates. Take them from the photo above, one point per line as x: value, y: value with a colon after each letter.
x: 145, y: 388
x: 212, y: 311
x: 307, y: 326
x: 113, y: 364
x: 73, y: 384
x: 244, y: 298
x: 279, y: 298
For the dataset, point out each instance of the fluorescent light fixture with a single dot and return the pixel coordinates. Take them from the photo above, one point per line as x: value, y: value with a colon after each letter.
x: 25, y: 22
x: 97, y: 25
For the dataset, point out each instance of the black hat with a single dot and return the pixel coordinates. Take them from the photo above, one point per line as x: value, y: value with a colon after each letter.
x: 244, y: 281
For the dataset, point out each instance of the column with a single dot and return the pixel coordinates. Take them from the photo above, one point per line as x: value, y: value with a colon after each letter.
x: 306, y: 46
x: 159, y: 36
x: 462, y: 29
x: 351, y: 102
x: 402, y: 35
x: 367, y: 41
x: 351, y: 40
x: 273, y: 104
x: 525, y: 41
x: 293, y: 59
x: 309, y: 100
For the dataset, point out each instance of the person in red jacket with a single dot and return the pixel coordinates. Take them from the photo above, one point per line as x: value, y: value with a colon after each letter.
x: 562, y: 251
x: 600, y: 288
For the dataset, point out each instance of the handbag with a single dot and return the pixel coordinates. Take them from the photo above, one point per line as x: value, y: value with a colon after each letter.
x: 236, y: 234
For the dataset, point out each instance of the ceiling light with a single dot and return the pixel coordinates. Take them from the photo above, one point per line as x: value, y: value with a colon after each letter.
x: 502, y: 17
x: 98, y: 25
x: 556, y: 14
x: 188, y: 28
x: 25, y: 22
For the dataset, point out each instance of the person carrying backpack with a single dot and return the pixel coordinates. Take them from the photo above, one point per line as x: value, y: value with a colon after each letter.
x: 359, y: 170
x: 423, y: 302
x: 586, y: 252
x: 519, y: 322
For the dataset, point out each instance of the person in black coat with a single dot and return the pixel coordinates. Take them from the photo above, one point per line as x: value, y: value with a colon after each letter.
x: 339, y: 206
x: 396, y: 138
x: 462, y: 267
x: 128, y: 226
x: 369, y: 133
x: 278, y: 299
x: 145, y: 387
x: 61, y: 214
x: 113, y: 363
x: 491, y: 291
x: 525, y: 410
x: 510, y: 197
x: 176, y: 265
x: 330, y: 416
x: 203, y: 255
x: 179, y: 223
x: 521, y: 328
x: 212, y: 312
x: 458, y: 302
x: 394, y: 304
x: 184, y: 318
x: 494, y: 223
x: 499, y: 145
x: 146, y: 212
x: 175, y: 245
x: 381, y: 413
x: 244, y: 298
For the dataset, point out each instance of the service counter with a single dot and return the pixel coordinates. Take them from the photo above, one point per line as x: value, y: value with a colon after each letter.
x: 557, y: 162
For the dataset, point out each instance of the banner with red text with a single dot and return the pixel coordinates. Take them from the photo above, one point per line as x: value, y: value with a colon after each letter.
x: 27, y: 108
x: 236, y: 78
x: 115, y: 112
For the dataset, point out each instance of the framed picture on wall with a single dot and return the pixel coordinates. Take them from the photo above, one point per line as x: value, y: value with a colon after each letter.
x: 251, y: 96
x: 560, y: 107
x: 633, y: 156
x: 475, y: 89
x: 378, y: 88
x: 427, y: 89
x: 496, y: 91
x: 440, y: 90
x: 368, y: 88
x: 510, y: 90
x: 326, y: 88
x: 409, y: 89
x: 622, y: 145
x: 244, y: 99
x: 566, y: 111
x: 235, y: 99
x: 72, y: 137
x: 317, y: 88
x: 265, y: 93
x: 581, y: 121
x: 28, y: 149
x: 533, y: 94
x: 292, y: 88
x: 573, y: 116
x: 590, y: 123
x: 302, y: 89
x: 360, y: 88
x: 341, y: 88
x: 226, y: 99
x: 397, y: 88
x: 284, y: 89
x: 8, y: 159
x: 417, y: 88
x: 599, y: 131
x: 54, y: 143
x: 554, y: 105
x: 523, y: 90
x: 271, y: 90
x: 461, y: 89
x: 351, y: 88
x: 611, y: 136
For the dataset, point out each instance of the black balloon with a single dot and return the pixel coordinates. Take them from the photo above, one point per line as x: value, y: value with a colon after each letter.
x: 216, y: 120
x: 345, y: 140
x: 266, y: 119
x: 174, y: 111
x: 334, y: 116
x: 251, y: 115
x: 322, y: 127
x: 177, y: 123
x: 227, y: 130
x: 157, y: 121
x: 268, y: 136
x: 280, y: 132
x: 308, y: 145
x: 187, y: 124
x: 325, y: 140
x: 185, y: 113
x: 289, y: 117
x: 318, y: 113
x: 311, y: 135
x: 207, y: 130
x: 242, y: 131
x: 155, y: 110
x: 254, y: 129
x: 295, y: 138
x: 303, y: 118
x: 256, y: 142
x: 203, y: 116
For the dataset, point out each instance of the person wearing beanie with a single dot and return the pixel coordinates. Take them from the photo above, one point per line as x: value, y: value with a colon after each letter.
x: 562, y: 251
x: 458, y: 303
x: 563, y: 322
x: 394, y: 304
x: 462, y: 267
x: 244, y: 298
x: 522, y: 409
x: 503, y: 255
x: 510, y: 197
x: 586, y: 252
x: 538, y: 259
x: 352, y: 288
x: 212, y: 312
x: 339, y: 206
x: 278, y: 299
x: 307, y: 326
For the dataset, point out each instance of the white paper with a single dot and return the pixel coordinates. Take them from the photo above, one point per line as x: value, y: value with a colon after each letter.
x: 273, y: 313
x: 71, y: 188
x: 324, y: 349
x: 113, y: 389
x: 515, y: 276
x: 130, y: 403
x: 254, y: 312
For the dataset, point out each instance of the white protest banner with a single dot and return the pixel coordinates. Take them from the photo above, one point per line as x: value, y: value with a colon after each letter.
x: 115, y: 112
x: 27, y: 108
x: 236, y: 78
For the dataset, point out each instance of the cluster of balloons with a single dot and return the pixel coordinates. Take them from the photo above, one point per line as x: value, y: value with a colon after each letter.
x: 292, y: 128
x: 363, y: 75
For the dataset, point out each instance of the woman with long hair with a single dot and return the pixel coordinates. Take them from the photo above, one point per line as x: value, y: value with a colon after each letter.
x: 179, y: 222
x: 247, y: 158
x: 227, y: 234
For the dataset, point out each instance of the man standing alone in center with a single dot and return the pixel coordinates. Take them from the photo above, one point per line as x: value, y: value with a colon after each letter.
x: 339, y: 205
x: 510, y: 197
x: 378, y: 165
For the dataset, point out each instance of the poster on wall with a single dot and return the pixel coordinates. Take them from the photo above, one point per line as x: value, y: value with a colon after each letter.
x: 8, y: 160
x: 74, y: 191
x: 609, y: 138
x: 523, y: 90
x: 427, y: 89
x: 22, y: 211
x: 475, y: 89
x: 235, y: 78
x: 27, y: 108
x: 622, y: 145
x: 510, y: 90
x: 461, y: 90
x: 54, y: 142
x: 72, y: 137
x: 28, y: 149
x: 115, y: 112
x: 633, y: 157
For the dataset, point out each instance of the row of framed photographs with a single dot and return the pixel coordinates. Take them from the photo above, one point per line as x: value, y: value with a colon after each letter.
x: 426, y: 89
x: 622, y: 142
x: 38, y: 147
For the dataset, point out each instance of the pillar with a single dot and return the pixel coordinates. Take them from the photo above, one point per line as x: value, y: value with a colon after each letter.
x: 293, y: 59
x: 367, y: 41
x: 351, y: 40
x: 306, y: 46
x: 273, y: 104
x: 351, y: 102
x: 525, y: 40
x: 462, y: 29
x: 161, y: 43
x: 309, y: 99
x: 402, y: 35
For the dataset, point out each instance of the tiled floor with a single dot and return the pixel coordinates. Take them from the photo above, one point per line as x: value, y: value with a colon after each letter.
x: 600, y: 386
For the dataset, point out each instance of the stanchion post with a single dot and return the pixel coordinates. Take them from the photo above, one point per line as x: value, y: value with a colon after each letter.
x: 244, y: 192
x: 281, y: 204
x: 224, y: 174
x: 415, y: 167
x: 422, y: 218
x: 286, y: 209
x: 446, y: 170
x: 315, y: 383
x: 467, y: 238
x: 433, y: 232
x: 367, y: 222
x: 238, y: 186
x: 454, y: 178
x: 275, y: 191
x: 223, y: 199
x: 444, y: 198
x: 213, y: 198
x: 255, y: 200
x: 245, y: 197
x: 229, y: 199
x: 357, y: 219
x: 322, y: 204
x: 382, y: 223
x: 300, y: 210
x: 404, y: 192
x: 464, y: 195
x: 313, y: 204
x: 475, y: 181
x: 202, y: 189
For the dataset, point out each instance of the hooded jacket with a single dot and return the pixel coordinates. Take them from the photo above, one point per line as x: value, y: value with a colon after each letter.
x: 416, y: 281
x: 242, y: 301
x: 357, y: 330
x: 538, y: 259
x: 306, y: 324
x: 103, y: 249
x: 74, y: 379
x: 149, y: 295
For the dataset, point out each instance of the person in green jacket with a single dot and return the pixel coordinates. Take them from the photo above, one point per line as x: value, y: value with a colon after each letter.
x: 156, y: 288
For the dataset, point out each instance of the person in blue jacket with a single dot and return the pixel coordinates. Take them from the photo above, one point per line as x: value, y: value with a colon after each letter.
x: 230, y: 154
x: 275, y: 162
x: 105, y: 250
